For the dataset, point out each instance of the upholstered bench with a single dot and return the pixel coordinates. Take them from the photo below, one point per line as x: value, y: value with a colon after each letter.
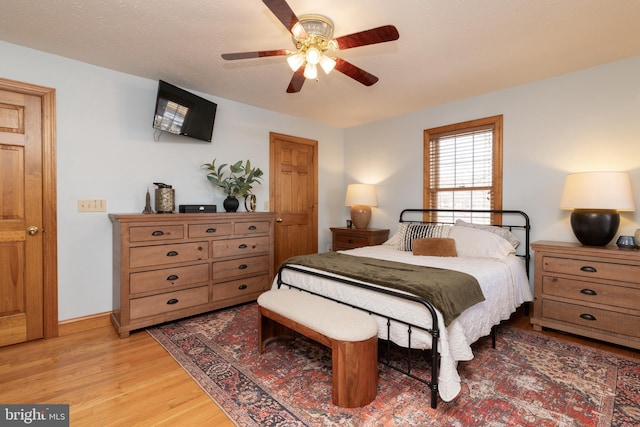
x: 351, y: 334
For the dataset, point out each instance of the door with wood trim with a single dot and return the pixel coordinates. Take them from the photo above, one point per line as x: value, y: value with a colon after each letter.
x: 26, y: 138
x: 294, y: 195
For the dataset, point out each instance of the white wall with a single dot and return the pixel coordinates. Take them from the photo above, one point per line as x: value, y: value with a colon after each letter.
x: 588, y: 120
x: 106, y: 150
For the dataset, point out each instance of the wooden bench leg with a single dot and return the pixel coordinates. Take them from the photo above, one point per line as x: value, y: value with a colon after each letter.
x: 355, y: 372
x: 270, y: 330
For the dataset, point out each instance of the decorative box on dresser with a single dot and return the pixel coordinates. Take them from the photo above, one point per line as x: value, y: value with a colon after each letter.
x: 588, y: 291
x: 350, y: 238
x: 168, y: 266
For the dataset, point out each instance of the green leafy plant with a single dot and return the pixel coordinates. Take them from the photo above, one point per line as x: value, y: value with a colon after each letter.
x: 238, y: 181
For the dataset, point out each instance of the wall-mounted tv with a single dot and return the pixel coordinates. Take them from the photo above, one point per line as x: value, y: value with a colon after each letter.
x: 183, y: 113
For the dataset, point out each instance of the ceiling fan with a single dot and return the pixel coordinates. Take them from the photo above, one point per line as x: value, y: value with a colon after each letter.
x: 313, y: 38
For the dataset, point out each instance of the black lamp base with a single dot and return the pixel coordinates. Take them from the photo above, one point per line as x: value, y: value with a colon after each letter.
x: 595, y: 227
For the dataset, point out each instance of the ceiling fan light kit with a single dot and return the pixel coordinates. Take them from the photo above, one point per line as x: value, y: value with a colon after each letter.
x: 313, y: 37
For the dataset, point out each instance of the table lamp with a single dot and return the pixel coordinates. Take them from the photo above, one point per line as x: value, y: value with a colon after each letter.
x: 361, y: 197
x: 595, y: 199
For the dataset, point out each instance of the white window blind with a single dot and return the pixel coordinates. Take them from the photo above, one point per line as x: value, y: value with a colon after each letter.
x: 461, y: 168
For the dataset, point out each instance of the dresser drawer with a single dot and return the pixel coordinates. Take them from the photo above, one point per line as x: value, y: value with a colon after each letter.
x: 167, y: 302
x: 145, y: 256
x: 167, y: 278
x: 350, y: 241
x: 252, y: 227
x: 237, y: 288
x: 224, y: 270
x: 604, y: 320
x: 245, y: 246
x: 592, y: 269
x: 593, y: 292
x: 210, y: 230
x: 155, y: 232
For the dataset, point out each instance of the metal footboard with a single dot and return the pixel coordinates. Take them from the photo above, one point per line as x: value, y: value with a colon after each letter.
x: 434, y: 331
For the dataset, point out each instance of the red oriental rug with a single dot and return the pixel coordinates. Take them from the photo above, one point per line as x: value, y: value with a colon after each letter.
x: 528, y: 380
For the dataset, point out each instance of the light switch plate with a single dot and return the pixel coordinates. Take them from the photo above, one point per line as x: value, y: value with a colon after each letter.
x: 94, y: 205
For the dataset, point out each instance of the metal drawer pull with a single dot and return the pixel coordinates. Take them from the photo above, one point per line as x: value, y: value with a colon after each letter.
x: 172, y: 253
x: 172, y: 301
x: 253, y: 227
x: 350, y: 241
x: 587, y: 316
x: 589, y: 292
x: 241, y: 287
x: 588, y: 269
x: 211, y: 230
x: 242, y: 246
x: 242, y: 266
x: 172, y: 277
x: 158, y: 233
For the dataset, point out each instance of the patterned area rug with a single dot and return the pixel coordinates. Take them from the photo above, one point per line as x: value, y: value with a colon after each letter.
x: 528, y: 380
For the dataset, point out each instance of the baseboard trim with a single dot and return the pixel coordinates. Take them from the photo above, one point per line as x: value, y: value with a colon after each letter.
x: 86, y: 323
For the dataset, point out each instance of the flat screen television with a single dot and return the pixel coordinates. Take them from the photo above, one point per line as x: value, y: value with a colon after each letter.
x: 183, y: 113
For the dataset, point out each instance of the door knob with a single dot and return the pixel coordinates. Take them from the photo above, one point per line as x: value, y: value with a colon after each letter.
x: 32, y: 230
x: 278, y: 219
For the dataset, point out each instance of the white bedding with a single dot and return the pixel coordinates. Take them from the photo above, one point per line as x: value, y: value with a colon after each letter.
x: 503, y: 282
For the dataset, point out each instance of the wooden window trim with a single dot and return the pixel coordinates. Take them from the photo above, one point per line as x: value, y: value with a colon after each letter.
x: 494, y: 122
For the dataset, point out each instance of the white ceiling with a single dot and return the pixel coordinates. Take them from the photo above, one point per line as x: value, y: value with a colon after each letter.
x: 447, y: 50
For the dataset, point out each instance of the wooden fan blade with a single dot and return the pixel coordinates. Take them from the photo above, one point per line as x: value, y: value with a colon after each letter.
x: 355, y: 73
x: 259, y: 54
x: 382, y: 34
x: 296, y: 81
x: 284, y: 13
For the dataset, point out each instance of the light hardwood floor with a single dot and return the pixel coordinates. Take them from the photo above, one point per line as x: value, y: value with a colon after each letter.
x: 108, y: 381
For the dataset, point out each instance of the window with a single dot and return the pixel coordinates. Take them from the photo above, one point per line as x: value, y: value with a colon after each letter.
x: 463, y: 168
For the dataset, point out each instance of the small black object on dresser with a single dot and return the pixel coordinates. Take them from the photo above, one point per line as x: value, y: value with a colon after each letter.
x: 197, y: 208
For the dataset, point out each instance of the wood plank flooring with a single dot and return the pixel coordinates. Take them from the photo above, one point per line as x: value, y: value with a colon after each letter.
x: 107, y: 381
x: 110, y: 381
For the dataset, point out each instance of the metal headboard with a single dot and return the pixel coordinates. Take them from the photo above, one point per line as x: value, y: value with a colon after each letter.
x: 513, y: 220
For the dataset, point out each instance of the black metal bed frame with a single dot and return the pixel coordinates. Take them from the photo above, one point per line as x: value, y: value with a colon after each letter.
x: 434, y: 331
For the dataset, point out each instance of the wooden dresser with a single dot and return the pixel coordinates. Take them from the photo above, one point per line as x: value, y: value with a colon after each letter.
x: 168, y: 266
x: 350, y: 238
x: 589, y: 291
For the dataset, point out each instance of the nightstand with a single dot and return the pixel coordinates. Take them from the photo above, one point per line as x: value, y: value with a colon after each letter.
x: 350, y: 238
x: 588, y: 291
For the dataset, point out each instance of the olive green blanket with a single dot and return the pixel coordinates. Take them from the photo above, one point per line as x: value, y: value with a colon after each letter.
x: 449, y: 291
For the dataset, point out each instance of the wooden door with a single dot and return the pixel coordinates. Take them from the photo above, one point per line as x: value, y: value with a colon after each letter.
x: 294, y: 195
x: 26, y: 137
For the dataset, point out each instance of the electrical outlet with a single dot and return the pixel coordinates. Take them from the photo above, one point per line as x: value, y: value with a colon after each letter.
x: 95, y: 205
x: 266, y: 205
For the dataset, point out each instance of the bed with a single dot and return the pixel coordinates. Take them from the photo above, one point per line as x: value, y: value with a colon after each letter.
x: 496, y: 256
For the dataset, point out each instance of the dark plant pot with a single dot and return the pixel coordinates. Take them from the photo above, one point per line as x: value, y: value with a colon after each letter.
x: 231, y: 204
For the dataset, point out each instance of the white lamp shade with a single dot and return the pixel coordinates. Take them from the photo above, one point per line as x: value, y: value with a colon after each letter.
x: 310, y: 71
x: 598, y: 190
x: 361, y: 194
x: 327, y: 63
x: 313, y: 55
x: 295, y: 61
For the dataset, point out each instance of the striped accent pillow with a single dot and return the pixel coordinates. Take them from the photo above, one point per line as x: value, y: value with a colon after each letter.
x: 421, y: 231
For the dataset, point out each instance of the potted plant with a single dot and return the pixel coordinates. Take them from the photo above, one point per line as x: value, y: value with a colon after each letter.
x: 237, y: 182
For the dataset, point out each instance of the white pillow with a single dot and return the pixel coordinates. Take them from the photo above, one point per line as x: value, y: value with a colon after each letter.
x: 474, y: 242
x: 500, y: 231
x: 394, y: 240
